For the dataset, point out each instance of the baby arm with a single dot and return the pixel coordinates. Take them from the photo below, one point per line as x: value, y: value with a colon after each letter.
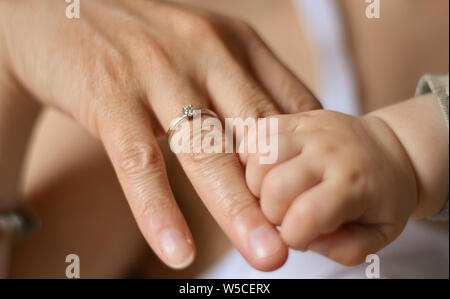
x: 345, y: 186
x: 423, y: 132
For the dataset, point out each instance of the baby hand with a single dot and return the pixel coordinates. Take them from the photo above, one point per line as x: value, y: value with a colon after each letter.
x: 342, y: 186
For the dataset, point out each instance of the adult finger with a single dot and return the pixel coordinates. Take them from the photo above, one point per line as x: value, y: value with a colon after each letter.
x: 219, y: 180
x: 127, y: 135
x: 291, y: 95
x: 235, y: 94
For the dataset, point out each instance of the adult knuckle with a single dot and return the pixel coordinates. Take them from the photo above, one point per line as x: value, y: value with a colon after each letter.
x: 205, y: 25
x: 204, y: 33
x: 237, y: 204
x: 109, y: 81
x: 110, y: 73
x: 156, y: 206
x: 255, y: 104
x: 138, y: 157
x: 152, y: 53
x: 191, y: 25
x: 204, y: 161
x: 208, y: 165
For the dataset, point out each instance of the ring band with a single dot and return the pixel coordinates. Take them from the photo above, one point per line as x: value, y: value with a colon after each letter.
x: 189, y: 112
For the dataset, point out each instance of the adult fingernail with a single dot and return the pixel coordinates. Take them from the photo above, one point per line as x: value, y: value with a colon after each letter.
x: 264, y: 241
x: 176, y: 248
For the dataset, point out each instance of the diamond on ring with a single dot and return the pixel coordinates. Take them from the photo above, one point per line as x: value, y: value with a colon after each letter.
x: 188, y: 111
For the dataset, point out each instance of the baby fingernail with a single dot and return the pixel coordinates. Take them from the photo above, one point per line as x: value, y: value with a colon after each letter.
x: 176, y: 248
x: 264, y: 241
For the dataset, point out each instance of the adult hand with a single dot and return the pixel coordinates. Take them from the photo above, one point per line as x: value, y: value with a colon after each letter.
x: 124, y: 70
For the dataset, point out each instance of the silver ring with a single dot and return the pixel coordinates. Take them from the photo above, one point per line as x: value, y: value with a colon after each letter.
x: 189, y: 112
